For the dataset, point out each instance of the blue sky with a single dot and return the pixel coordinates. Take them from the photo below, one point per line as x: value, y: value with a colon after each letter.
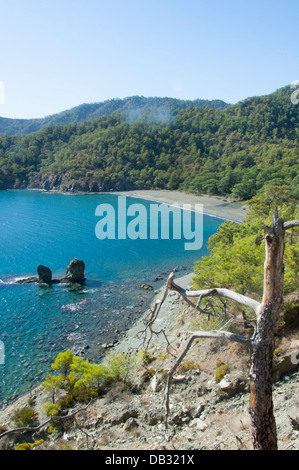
x: 56, y: 54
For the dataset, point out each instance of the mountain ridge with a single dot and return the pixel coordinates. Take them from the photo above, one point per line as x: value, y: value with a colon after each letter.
x: 133, y: 105
x: 232, y: 152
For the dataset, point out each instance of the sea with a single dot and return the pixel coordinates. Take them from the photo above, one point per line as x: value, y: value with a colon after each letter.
x: 122, y: 275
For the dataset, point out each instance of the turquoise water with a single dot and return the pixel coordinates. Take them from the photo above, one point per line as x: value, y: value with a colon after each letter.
x: 38, y: 322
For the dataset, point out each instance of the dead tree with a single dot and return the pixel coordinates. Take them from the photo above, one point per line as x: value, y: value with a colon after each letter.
x: 260, y: 345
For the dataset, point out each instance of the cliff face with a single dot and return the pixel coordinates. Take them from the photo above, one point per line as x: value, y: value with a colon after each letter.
x: 63, y: 182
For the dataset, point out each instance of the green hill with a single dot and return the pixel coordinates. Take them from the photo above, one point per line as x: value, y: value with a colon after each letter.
x: 233, y: 151
x: 133, y: 106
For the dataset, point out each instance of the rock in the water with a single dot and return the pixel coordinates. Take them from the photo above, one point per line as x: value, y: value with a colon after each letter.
x: 44, y: 274
x: 145, y: 286
x: 75, y: 271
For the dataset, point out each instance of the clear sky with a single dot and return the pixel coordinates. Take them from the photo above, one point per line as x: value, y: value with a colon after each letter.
x: 56, y: 54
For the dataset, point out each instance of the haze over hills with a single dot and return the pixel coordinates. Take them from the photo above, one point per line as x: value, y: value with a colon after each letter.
x: 234, y: 151
x: 133, y: 106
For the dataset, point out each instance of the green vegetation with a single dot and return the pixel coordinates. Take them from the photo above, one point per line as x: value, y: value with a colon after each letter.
x: 236, y: 258
x: 25, y: 416
x: 28, y: 445
x: 79, y: 380
x: 221, y: 371
x: 235, y: 151
x: 187, y: 365
x: 134, y: 107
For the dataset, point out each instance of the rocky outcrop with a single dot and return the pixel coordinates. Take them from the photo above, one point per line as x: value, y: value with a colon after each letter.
x: 75, y: 271
x: 44, y: 274
x: 74, y: 274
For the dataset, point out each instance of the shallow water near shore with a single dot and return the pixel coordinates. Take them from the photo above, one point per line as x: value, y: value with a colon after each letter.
x: 37, y: 322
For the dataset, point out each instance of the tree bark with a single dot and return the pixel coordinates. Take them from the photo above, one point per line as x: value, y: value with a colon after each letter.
x: 261, y: 405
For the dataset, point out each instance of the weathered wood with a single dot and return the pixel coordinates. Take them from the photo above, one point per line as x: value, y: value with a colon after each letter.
x: 34, y: 429
x: 290, y: 224
x: 216, y: 292
x: 261, y: 406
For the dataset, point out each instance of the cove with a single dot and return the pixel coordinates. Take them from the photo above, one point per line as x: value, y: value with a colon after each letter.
x: 38, y: 322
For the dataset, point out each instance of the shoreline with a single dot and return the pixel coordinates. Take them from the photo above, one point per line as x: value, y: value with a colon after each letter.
x: 215, y: 206
x: 129, y: 340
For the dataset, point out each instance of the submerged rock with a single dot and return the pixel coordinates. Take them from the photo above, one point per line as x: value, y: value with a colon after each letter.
x: 27, y: 280
x: 145, y: 286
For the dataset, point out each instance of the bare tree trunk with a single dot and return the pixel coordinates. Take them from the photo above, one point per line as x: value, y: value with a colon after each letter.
x: 261, y: 405
x: 261, y: 345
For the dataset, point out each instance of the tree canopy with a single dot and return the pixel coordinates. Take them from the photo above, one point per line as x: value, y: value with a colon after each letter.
x: 235, y: 151
x: 236, y: 258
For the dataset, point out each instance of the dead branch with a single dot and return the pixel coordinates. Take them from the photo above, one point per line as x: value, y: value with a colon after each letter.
x: 150, y: 320
x: 40, y: 426
x: 290, y: 224
x: 216, y: 292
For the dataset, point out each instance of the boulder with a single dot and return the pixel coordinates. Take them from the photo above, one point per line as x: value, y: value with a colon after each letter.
x: 75, y: 271
x: 145, y: 286
x: 44, y: 274
x: 284, y: 365
x: 233, y: 383
x: 130, y: 424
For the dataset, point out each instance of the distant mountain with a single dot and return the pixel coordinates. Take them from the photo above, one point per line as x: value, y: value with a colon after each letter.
x: 235, y: 151
x: 132, y: 106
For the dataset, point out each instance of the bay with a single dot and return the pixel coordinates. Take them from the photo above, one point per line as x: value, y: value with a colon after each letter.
x: 38, y: 322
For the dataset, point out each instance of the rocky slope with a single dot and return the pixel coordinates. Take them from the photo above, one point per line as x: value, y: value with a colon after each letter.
x: 205, y: 414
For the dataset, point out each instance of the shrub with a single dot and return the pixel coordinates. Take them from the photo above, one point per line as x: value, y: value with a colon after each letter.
x: 119, y: 366
x: 31, y: 401
x: 50, y: 409
x: 83, y: 393
x: 28, y: 446
x: 188, y: 365
x: 67, y: 402
x: 24, y: 446
x: 221, y: 371
x: 83, y: 380
x: 24, y: 416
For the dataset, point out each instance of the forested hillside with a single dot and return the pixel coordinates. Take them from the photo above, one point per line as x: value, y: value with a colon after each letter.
x: 133, y: 106
x: 234, y: 151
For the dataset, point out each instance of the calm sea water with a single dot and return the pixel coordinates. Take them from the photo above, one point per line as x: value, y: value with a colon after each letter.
x: 38, y: 322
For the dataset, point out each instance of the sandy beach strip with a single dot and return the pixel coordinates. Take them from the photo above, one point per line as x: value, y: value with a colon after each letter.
x: 212, y: 205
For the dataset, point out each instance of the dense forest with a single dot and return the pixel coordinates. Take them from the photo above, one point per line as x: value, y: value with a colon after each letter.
x: 235, y: 151
x: 132, y: 106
